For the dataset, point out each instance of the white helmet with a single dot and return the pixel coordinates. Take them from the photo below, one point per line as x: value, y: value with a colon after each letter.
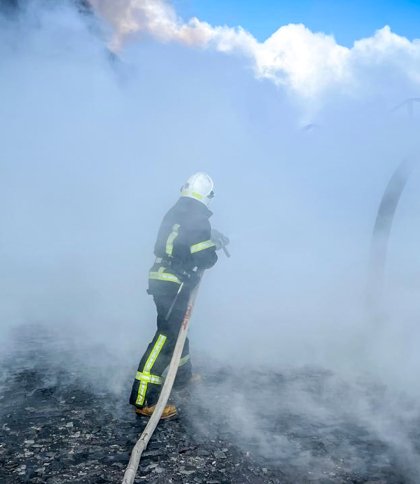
x: 199, y: 186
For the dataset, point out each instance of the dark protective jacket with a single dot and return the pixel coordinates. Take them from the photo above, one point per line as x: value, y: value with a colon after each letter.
x: 183, y: 245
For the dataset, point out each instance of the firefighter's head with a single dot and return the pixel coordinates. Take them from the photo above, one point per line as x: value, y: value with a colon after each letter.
x: 199, y: 186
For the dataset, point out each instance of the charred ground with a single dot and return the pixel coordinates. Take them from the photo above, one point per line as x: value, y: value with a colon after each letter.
x: 57, y: 427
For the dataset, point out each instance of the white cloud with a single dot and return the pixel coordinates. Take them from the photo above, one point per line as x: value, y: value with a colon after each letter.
x: 294, y: 56
x: 389, y: 49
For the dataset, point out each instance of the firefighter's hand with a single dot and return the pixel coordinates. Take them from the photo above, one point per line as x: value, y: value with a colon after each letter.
x: 219, y: 239
x: 193, y: 279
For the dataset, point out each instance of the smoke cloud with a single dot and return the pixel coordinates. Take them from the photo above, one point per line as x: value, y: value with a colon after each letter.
x: 309, y: 63
x: 95, y: 146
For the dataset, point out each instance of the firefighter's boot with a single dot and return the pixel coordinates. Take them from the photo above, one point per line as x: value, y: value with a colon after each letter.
x: 168, y: 412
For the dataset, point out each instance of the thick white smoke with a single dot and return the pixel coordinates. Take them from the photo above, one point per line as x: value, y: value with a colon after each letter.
x: 310, y: 63
x: 95, y: 147
x: 94, y: 150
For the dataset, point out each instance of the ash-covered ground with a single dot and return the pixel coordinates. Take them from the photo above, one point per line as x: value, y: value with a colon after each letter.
x: 235, y: 426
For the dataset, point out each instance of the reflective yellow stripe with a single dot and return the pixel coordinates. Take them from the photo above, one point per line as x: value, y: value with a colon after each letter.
x: 157, y: 348
x: 182, y: 362
x: 202, y: 246
x: 141, y: 393
x: 155, y: 352
x: 186, y: 193
x: 148, y: 378
x: 172, y: 236
x: 164, y: 276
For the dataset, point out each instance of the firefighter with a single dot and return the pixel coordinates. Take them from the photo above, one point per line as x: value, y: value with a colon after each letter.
x: 183, y: 248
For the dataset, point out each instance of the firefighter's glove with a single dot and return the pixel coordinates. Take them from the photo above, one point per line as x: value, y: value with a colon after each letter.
x: 219, y: 239
x: 192, y: 279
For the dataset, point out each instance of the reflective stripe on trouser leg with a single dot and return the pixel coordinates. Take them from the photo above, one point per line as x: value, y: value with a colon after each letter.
x: 145, y: 377
x: 148, y: 378
x: 182, y: 362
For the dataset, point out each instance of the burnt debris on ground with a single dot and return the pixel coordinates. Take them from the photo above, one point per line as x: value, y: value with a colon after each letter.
x: 56, y: 427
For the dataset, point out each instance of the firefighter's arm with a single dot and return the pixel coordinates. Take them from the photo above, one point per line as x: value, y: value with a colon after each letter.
x: 220, y: 240
x: 203, y: 248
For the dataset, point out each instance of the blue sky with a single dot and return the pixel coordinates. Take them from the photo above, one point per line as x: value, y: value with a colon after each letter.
x: 347, y: 20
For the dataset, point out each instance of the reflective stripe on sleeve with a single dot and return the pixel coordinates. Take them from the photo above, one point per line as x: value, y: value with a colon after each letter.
x: 202, y: 246
x: 172, y: 236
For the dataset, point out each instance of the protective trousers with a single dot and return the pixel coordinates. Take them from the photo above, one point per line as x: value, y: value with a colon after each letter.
x: 154, y: 364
